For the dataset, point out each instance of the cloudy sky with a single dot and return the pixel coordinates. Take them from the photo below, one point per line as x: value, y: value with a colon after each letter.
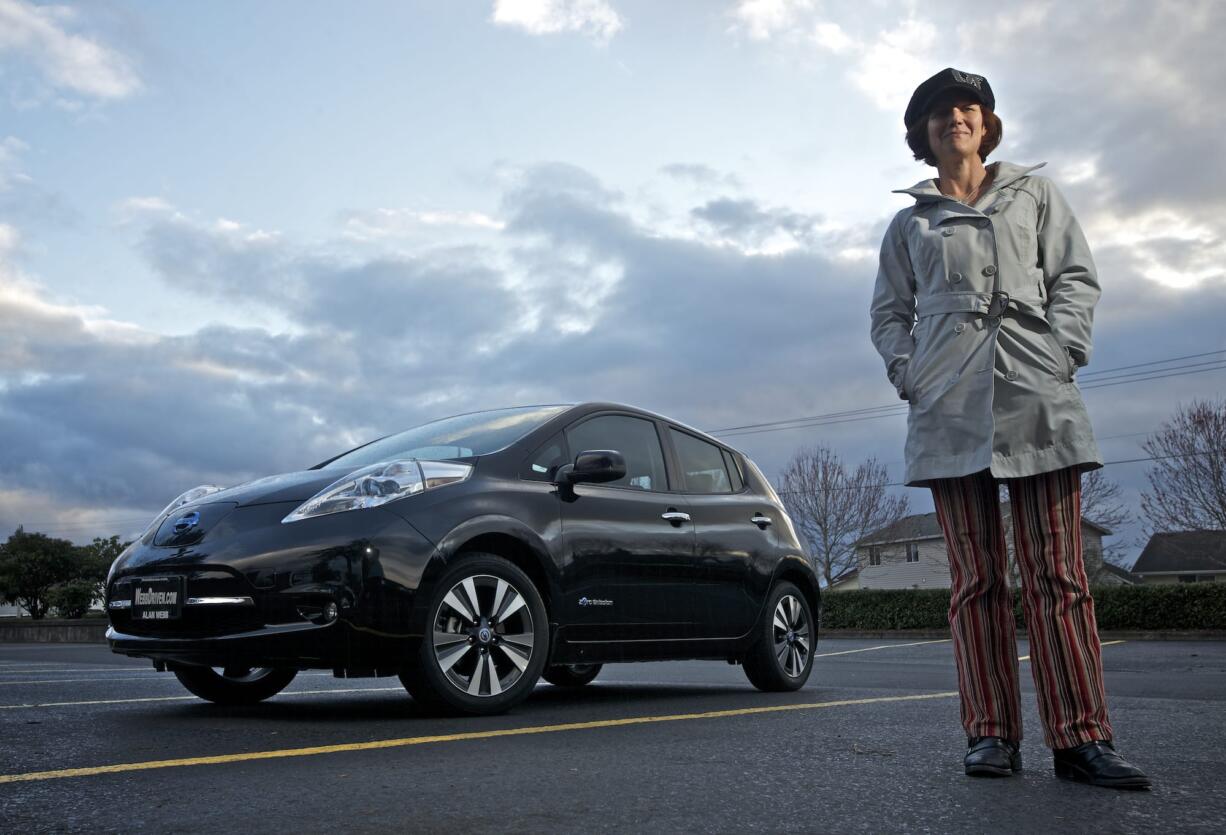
x: 237, y: 237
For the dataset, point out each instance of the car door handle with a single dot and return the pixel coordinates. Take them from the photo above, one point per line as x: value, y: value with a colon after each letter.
x: 674, y: 516
x: 760, y: 520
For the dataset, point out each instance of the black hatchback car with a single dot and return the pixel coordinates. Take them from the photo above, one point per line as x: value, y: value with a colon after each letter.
x: 471, y: 556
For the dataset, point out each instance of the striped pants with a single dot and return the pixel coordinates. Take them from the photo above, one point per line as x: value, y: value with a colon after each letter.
x: 1064, y: 651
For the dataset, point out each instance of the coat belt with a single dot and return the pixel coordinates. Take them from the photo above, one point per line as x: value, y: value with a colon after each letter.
x: 977, y: 303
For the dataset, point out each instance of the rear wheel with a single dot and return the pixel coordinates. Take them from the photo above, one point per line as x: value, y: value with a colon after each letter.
x: 235, y: 685
x: 571, y: 675
x: 487, y: 639
x: 782, y: 657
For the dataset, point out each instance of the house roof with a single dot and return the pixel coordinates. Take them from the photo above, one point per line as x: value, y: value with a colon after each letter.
x: 926, y: 526
x: 1183, y: 552
x: 909, y: 528
x: 1123, y: 573
x: 845, y: 577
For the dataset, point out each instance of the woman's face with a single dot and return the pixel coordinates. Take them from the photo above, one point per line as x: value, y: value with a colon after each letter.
x: 955, y: 128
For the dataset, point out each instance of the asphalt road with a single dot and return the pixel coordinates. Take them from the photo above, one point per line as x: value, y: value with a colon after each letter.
x: 871, y: 744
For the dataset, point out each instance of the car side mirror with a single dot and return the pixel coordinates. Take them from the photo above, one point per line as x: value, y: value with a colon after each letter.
x: 594, y: 466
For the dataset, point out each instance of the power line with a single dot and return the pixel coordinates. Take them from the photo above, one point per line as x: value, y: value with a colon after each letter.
x: 1155, y: 376
x: 875, y: 412
x: 1154, y: 362
x: 903, y: 484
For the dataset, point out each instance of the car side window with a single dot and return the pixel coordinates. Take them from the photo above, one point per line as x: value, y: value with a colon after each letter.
x: 635, y: 438
x: 734, y: 472
x: 702, y: 465
x: 543, y: 464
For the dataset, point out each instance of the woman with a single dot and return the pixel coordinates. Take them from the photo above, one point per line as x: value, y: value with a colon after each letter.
x: 982, y: 313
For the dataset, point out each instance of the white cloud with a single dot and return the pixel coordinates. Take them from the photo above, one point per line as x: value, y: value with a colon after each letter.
x: 832, y: 38
x: 886, y: 67
x: 1163, y: 245
x: 594, y: 18
x: 1077, y: 171
x: 72, y: 62
x: 384, y: 224
x: 10, y: 148
x: 765, y: 19
x: 9, y: 238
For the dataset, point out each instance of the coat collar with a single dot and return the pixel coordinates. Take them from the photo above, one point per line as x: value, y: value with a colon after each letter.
x: 1006, y: 173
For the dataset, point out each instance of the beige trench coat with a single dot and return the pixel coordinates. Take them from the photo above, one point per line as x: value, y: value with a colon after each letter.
x: 982, y: 314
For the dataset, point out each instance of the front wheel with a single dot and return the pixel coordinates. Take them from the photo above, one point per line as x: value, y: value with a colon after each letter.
x: 782, y: 657
x: 571, y: 675
x: 235, y: 685
x: 486, y: 642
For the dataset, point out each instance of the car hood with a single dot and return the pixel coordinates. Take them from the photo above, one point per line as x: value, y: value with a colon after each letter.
x: 286, y: 487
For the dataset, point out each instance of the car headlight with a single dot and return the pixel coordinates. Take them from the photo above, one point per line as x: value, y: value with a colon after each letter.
x: 379, y: 484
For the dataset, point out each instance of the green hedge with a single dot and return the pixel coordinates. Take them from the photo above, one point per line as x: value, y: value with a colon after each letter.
x: 1176, y: 607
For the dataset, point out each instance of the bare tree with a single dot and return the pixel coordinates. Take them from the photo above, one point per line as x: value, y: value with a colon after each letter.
x: 1187, y: 480
x: 835, y: 507
x: 1102, y: 503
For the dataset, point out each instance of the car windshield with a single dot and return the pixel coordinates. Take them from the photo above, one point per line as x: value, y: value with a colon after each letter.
x: 479, y: 433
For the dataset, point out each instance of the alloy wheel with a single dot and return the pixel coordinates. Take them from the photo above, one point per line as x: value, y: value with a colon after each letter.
x: 791, y: 635
x: 483, y: 635
x: 244, y: 675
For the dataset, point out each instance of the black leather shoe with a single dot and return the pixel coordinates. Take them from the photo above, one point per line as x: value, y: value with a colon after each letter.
x: 1098, y: 764
x: 991, y: 756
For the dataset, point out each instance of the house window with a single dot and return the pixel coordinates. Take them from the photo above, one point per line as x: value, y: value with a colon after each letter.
x: 1187, y: 578
x: 912, y: 552
x: 874, y: 556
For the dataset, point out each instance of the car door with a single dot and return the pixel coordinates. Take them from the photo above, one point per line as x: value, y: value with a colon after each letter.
x: 731, y: 531
x: 629, y: 544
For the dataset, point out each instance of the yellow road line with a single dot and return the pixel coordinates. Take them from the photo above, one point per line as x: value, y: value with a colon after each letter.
x: 156, y: 676
x: 1104, y: 644
x: 883, y: 646
x: 130, y: 668
x: 460, y: 737
x: 195, y: 698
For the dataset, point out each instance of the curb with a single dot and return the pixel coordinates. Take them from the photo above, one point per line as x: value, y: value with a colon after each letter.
x: 93, y: 631
x: 1105, y: 634
x: 48, y: 631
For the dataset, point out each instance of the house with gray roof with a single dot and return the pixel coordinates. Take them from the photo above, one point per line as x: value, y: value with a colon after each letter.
x: 1183, y: 557
x: 911, y: 554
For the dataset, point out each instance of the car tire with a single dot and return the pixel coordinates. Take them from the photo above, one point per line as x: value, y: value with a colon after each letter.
x: 571, y: 675
x: 782, y: 657
x: 481, y: 656
x: 235, y: 685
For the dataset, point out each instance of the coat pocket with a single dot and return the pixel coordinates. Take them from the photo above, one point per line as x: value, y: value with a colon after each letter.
x: 1062, y: 361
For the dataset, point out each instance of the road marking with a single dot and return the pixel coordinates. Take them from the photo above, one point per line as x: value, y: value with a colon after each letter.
x: 883, y: 646
x: 459, y: 737
x: 154, y: 677
x: 99, y: 668
x: 1103, y: 644
x: 194, y: 698
x: 44, y: 671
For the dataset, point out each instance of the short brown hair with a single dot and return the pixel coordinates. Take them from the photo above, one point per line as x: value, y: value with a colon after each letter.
x: 917, y: 136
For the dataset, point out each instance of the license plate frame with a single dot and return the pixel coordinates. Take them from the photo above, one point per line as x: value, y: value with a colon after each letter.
x: 157, y: 599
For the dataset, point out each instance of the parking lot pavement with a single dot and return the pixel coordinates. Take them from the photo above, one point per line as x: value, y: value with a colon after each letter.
x: 96, y: 741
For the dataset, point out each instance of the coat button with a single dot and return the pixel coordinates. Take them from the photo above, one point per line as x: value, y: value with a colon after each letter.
x: 947, y: 232
x: 990, y: 269
x: 958, y: 328
x: 956, y: 277
x: 1012, y: 375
